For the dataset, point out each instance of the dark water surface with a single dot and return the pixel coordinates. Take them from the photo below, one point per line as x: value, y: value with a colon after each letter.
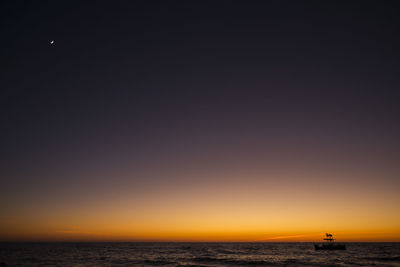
x: 196, y: 254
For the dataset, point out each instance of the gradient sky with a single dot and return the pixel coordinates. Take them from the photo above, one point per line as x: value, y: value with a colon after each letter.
x: 200, y: 120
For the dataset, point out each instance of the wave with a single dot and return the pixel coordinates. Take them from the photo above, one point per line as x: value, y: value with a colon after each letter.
x: 144, y: 262
x: 256, y: 262
x: 195, y: 254
x: 247, y: 262
x: 158, y: 262
x: 389, y: 258
x: 230, y: 261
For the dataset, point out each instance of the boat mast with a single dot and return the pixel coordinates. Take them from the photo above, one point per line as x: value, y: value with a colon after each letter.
x: 329, y: 237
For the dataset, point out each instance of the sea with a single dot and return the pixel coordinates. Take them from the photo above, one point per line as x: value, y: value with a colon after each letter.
x: 196, y: 254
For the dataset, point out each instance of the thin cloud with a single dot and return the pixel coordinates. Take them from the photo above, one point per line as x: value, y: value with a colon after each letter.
x: 286, y: 237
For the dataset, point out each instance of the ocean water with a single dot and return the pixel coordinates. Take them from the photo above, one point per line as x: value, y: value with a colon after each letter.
x: 196, y: 254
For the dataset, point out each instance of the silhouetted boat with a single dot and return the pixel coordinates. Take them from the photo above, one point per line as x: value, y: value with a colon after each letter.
x: 329, y: 244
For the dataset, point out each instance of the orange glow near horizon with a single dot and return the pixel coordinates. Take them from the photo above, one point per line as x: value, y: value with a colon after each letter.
x: 213, y: 210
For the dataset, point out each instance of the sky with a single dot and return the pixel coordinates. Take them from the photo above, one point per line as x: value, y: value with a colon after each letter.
x: 199, y: 120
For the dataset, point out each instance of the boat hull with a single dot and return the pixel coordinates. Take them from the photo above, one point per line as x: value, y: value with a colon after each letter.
x: 330, y: 247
